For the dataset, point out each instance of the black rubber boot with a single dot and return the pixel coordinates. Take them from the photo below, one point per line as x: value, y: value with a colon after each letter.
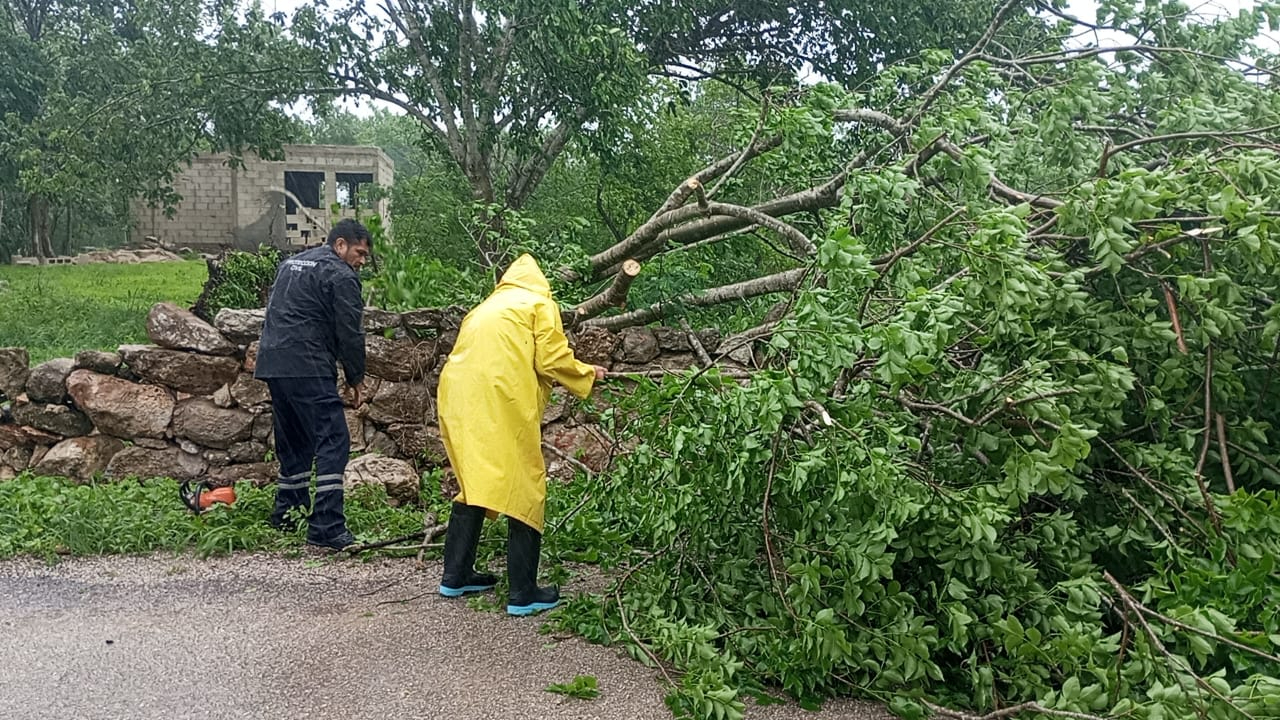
x: 341, y: 541
x: 460, y: 576
x: 524, y: 546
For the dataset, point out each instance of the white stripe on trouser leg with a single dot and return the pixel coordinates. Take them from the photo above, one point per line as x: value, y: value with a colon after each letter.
x: 329, y: 488
x: 303, y: 485
x: 297, y: 476
x: 327, y: 478
x: 328, y: 483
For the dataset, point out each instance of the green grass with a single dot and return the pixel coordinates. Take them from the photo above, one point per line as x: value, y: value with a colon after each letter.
x: 48, y: 517
x: 56, y: 311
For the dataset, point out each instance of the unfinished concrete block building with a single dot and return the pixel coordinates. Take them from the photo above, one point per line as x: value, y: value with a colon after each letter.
x: 286, y: 203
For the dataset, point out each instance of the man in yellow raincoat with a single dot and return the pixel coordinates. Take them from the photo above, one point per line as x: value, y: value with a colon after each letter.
x: 510, y: 350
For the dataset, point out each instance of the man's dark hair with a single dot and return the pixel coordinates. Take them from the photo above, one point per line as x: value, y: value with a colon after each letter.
x: 349, y: 230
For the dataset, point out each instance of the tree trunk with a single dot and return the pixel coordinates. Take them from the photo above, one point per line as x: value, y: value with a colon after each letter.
x: 38, y: 212
x: 66, y: 236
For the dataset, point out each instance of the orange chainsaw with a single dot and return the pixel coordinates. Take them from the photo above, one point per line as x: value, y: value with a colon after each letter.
x: 199, y: 495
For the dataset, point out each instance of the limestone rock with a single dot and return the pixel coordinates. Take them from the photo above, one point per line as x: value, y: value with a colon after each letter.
x: 57, y: 419
x: 251, y: 357
x: 740, y: 349
x: 80, y: 458
x: 169, y: 326
x: 241, y: 326
x: 98, y: 361
x: 396, y: 403
x: 398, y: 360
x: 222, y: 397
x: 119, y: 407
x: 14, y: 369
x: 37, y: 453
x: 558, y: 406
x: 47, y: 382
x: 199, y: 420
x: 259, y: 473
x: 182, y: 371
x: 250, y: 393
x: 148, y: 463
x: 710, y: 339
x: 262, y: 426
x: 15, y: 460
x: 672, y: 339
x: 377, y: 320
x: 380, y: 443
x: 595, y: 345
x: 355, y: 428
x: 401, y: 481
x: 249, y: 451
x: 12, y: 436
x: 218, y: 458
x: 637, y: 345
x: 420, y: 442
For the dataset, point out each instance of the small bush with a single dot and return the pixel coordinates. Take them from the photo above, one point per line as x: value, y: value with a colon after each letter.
x: 238, y: 279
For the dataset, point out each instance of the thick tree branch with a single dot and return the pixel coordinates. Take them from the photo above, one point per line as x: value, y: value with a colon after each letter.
x: 530, y: 173
x: 407, y: 21
x: 615, y: 295
x: 778, y: 282
x: 1110, y: 152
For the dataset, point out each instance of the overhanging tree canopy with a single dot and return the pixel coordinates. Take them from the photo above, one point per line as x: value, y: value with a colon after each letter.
x: 504, y: 85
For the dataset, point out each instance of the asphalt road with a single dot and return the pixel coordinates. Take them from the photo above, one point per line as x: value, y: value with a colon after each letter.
x: 274, y: 638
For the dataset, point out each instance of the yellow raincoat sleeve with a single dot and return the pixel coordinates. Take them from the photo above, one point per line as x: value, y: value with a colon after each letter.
x: 552, y: 358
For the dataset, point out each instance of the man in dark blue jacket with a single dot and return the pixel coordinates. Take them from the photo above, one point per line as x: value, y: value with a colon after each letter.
x: 314, y: 322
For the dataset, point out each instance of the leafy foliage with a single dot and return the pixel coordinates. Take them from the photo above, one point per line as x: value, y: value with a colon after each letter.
x: 583, y: 687
x: 1014, y: 448
x: 238, y: 279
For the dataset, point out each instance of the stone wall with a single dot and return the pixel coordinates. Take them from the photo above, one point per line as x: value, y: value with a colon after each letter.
x: 188, y: 405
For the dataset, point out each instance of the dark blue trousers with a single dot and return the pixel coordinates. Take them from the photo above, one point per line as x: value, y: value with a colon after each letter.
x: 310, y: 428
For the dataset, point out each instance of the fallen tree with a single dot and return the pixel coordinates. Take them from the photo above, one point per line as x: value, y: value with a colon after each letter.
x: 1011, y: 449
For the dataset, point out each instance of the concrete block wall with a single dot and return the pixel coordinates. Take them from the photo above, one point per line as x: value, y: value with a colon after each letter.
x: 244, y: 208
x: 203, y: 218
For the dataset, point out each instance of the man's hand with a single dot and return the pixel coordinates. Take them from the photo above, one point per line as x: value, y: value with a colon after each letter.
x: 601, y: 373
x: 357, y: 395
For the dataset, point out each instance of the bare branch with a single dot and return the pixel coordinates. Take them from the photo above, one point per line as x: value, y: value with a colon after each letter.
x: 1223, y: 454
x: 778, y: 282
x: 743, y: 156
x: 696, y: 344
x: 799, y: 243
x: 1174, y: 137
x: 885, y: 262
